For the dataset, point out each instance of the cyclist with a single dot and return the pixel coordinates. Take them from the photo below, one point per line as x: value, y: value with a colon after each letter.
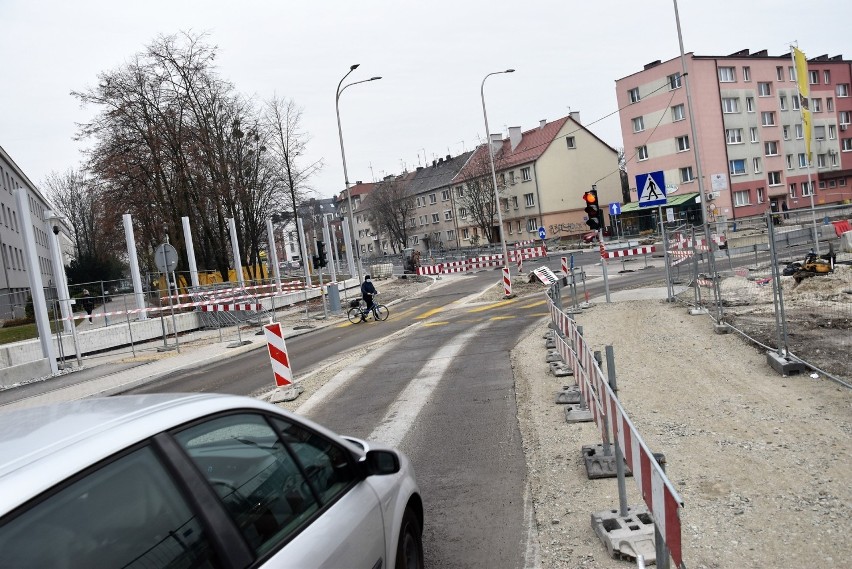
x: 368, y: 291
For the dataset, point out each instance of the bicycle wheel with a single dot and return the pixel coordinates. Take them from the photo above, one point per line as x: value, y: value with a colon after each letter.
x: 354, y: 315
x: 381, y: 312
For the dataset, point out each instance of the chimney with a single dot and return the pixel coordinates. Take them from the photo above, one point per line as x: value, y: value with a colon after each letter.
x: 440, y: 160
x: 449, y: 157
x: 496, y: 143
x: 541, y: 123
x: 515, y: 136
x: 358, y: 183
x: 575, y: 115
x: 419, y: 168
x: 434, y: 163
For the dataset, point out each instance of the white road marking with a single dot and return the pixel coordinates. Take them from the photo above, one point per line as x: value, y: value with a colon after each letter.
x: 403, y: 412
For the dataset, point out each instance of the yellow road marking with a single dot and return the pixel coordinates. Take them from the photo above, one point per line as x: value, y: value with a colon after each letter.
x: 534, y: 304
x: 490, y: 306
x: 502, y: 317
x: 429, y: 313
x: 440, y: 323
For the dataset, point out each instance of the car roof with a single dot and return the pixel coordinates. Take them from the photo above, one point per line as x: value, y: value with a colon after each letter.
x: 42, y: 446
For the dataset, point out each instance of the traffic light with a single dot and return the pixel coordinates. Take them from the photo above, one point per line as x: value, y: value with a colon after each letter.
x: 321, y: 258
x: 593, y: 209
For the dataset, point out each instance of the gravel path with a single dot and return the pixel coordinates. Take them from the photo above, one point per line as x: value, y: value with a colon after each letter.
x: 761, y: 461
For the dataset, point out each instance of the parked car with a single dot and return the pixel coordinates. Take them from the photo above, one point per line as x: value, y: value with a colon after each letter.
x: 199, y: 480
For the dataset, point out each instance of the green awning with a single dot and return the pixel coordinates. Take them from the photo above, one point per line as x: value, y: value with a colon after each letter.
x: 675, y: 200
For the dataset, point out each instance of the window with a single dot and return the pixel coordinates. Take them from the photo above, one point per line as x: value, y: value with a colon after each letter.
x: 638, y: 124
x: 750, y: 104
x: 730, y: 105
x: 799, y: 132
x: 793, y: 190
x: 807, y: 189
x: 783, y: 102
x: 727, y: 75
x: 779, y: 73
x: 771, y: 148
x: 448, y: 215
x: 816, y: 105
x: 826, y: 77
x: 515, y: 202
x: 734, y: 135
x: 803, y: 160
x: 451, y: 235
x: 529, y: 200
x: 774, y: 178
x: 829, y: 104
x: 633, y: 94
x: 571, y: 142
x: 502, y: 179
x: 465, y: 233
x: 756, y: 165
x: 764, y: 89
x: 642, y: 153
x: 737, y: 167
x: 795, y: 100
x: 792, y: 73
x: 682, y: 143
x: 525, y: 174
x: 433, y: 199
x: 678, y: 113
x: 752, y: 132
x: 445, y: 195
x: 460, y: 192
x: 789, y: 159
x: 742, y: 198
x: 819, y: 132
x: 412, y: 222
x: 833, y: 156
x: 127, y: 513
x: 767, y: 118
x: 686, y: 174
x: 785, y: 131
x: 846, y: 145
x: 821, y: 161
x: 761, y: 195
x: 746, y: 73
x: 463, y: 212
x: 844, y: 116
x: 512, y: 177
x: 842, y: 89
x: 813, y: 77
x: 518, y: 225
x: 436, y: 218
x: 532, y: 225
x: 674, y: 81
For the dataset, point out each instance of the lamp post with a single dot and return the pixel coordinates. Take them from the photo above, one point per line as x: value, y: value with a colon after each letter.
x: 343, y: 155
x: 493, y: 170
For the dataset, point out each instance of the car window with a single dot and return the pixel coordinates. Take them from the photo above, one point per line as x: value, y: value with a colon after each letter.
x: 126, y: 514
x: 260, y: 484
x: 326, y: 464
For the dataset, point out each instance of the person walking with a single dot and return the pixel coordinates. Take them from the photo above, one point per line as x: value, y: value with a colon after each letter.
x: 368, y: 291
x: 88, y: 303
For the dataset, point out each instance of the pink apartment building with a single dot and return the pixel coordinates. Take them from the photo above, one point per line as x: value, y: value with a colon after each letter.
x: 749, y: 129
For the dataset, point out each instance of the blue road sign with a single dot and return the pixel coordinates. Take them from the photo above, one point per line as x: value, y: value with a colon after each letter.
x: 542, y: 234
x: 651, y: 188
x: 615, y: 208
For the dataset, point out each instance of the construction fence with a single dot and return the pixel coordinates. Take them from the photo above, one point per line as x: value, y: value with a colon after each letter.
x: 785, y: 285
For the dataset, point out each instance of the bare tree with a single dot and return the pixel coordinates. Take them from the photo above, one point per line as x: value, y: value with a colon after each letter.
x: 390, y: 205
x: 287, y: 144
x: 478, y: 196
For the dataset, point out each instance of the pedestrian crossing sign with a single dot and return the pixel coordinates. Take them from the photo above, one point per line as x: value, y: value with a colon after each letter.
x: 651, y: 188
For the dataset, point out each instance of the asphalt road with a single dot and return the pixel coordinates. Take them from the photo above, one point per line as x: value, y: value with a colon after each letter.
x: 442, y: 392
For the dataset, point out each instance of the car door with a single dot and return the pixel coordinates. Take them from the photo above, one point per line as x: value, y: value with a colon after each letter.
x: 294, y: 495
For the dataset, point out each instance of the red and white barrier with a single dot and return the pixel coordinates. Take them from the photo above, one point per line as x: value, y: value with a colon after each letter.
x: 565, y: 266
x: 657, y: 491
x: 484, y: 262
x: 644, y: 250
x: 257, y: 307
x: 278, y: 354
x: 507, y: 282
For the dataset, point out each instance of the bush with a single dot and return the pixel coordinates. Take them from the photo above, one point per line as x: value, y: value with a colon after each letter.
x: 18, y: 322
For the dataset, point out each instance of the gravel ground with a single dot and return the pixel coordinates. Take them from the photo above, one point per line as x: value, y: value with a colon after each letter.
x: 761, y: 461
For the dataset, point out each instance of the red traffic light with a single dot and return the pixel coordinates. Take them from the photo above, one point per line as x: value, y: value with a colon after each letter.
x: 592, y: 209
x: 591, y: 197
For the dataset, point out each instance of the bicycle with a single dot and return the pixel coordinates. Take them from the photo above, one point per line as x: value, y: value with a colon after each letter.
x: 359, y: 313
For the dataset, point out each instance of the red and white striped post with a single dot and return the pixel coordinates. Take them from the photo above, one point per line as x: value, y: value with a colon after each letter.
x: 507, y: 282
x: 519, y: 257
x: 565, y: 266
x: 278, y: 354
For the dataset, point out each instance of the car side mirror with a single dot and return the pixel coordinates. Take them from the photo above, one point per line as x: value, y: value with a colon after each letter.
x: 379, y: 462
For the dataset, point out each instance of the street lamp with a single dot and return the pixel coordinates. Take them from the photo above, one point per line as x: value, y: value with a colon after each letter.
x: 493, y: 171
x: 343, y: 155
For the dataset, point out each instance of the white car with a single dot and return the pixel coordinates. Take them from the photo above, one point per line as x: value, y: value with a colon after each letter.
x: 199, y: 480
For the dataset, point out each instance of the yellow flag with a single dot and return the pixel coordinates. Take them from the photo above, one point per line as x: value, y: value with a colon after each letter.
x: 801, y: 63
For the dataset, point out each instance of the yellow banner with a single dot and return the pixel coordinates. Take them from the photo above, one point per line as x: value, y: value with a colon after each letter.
x: 801, y: 63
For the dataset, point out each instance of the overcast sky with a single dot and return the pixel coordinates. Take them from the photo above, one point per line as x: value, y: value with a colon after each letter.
x: 431, y: 54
